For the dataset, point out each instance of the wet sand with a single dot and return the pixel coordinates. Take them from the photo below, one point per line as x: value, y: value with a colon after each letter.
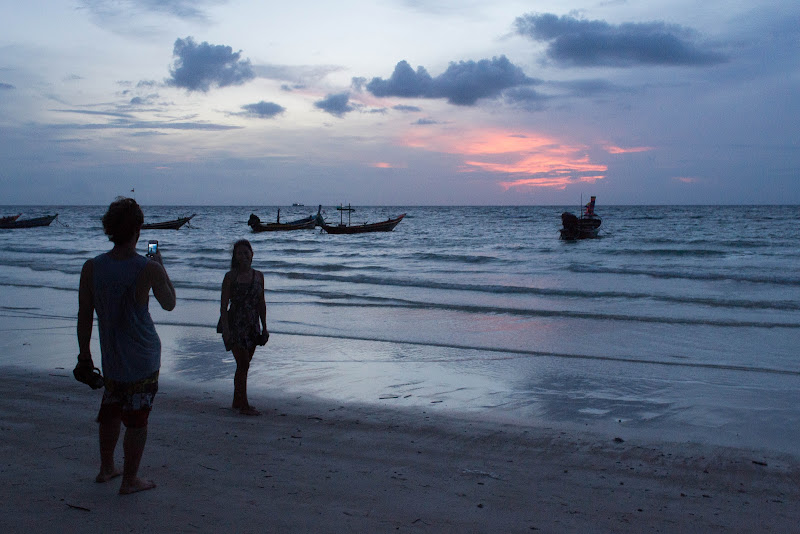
x: 315, y: 466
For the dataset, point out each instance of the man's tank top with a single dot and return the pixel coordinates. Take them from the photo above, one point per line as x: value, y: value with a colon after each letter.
x: 129, y: 343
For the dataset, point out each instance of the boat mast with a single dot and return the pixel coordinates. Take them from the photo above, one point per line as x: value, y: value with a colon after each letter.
x: 342, y: 209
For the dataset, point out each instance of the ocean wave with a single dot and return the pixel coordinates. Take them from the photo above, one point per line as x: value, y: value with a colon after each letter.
x: 708, y: 276
x: 663, y: 252
x: 300, y: 251
x: 571, y: 314
x: 54, y: 251
x: 723, y: 245
x: 455, y: 258
x: 550, y: 292
x: 501, y: 353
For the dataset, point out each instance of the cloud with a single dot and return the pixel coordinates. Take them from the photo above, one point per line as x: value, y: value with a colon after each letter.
x: 573, y: 41
x: 98, y: 113
x: 462, y: 84
x: 183, y: 9
x: 519, y: 159
x: 426, y: 122
x: 385, y: 165
x: 143, y: 100
x: 124, y: 124
x: 114, y: 10
x: 6, y: 86
x: 337, y: 104
x: 406, y: 109
x: 297, y: 74
x: 199, y: 66
x: 526, y: 97
x: 263, y: 110
x: 631, y: 150
x: 589, y: 88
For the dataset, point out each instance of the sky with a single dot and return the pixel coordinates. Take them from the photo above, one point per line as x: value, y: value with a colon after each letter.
x: 400, y: 102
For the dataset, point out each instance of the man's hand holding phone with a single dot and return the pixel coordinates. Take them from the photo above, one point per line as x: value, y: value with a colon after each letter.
x: 153, y: 251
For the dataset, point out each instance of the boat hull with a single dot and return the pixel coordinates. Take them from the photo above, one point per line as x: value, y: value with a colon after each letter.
x: 306, y: 223
x: 168, y: 225
x: 284, y: 227
x: 575, y: 228
x: 384, y: 226
x: 29, y: 223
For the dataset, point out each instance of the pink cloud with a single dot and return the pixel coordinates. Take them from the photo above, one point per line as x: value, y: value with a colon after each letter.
x: 619, y: 150
x: 385, y: 165
x: 532, y: 160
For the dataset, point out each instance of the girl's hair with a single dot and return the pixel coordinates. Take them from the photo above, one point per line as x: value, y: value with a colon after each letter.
x: 240, y: 243
x: 122, y: 220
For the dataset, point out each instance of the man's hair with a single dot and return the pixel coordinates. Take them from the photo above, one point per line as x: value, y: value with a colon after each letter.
x: 122, y: 220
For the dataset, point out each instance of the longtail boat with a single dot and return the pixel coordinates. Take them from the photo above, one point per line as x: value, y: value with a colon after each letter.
x: 341, y: 228
x: 168, y: 225
x: 29, y: 223
x: 584, y: 227
x: 306, y: 223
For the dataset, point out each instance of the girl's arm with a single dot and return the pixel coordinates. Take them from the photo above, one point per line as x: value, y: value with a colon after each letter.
x: 262, y: 306
x: 225, y: 298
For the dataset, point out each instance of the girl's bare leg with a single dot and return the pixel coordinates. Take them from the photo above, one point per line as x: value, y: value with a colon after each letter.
x: 240, y: 402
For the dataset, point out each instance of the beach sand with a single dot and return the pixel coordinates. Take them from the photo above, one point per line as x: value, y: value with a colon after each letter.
x: 319, y: 465
x: 313, y: 466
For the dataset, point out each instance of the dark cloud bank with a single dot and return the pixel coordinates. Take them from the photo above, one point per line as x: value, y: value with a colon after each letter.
x: 198, y: 67
x: 337, y: 104
x: 462, y: 84
x: 263, y: 110
x: 573, y: 41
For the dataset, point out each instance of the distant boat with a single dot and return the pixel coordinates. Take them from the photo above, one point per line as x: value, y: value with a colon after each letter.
x: 341, y: 228
x: 584, y: 227
x: 296, y: 204
x: 29, y: 223
x: 9, y: 218
x: 168, y: 225
x: 306, y: 223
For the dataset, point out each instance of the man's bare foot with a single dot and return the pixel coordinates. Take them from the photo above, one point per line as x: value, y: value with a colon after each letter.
x: 249, y: 410
x: 105, y: 476
x: 137, y: 485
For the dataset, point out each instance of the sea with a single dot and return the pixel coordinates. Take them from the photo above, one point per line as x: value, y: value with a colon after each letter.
x: 678, y: 323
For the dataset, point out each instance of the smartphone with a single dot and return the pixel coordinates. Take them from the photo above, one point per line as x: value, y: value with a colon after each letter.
x: 152, y: 247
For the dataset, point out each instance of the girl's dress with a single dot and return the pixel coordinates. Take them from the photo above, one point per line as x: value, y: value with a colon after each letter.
x: 244, y: 324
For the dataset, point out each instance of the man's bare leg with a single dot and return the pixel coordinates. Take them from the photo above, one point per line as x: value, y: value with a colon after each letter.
x: 133, y: 446
x: 109, y: 434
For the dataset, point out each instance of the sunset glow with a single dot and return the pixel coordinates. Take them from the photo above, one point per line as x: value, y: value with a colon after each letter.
x: 530, y: 160
x: 630, y: 150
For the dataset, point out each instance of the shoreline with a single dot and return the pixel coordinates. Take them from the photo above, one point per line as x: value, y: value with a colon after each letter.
x: 315, y: 465
x: 38, y: 332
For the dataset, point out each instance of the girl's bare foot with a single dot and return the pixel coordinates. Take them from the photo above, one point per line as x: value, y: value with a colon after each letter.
x: 139, y: 484
x: 105, y: 476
